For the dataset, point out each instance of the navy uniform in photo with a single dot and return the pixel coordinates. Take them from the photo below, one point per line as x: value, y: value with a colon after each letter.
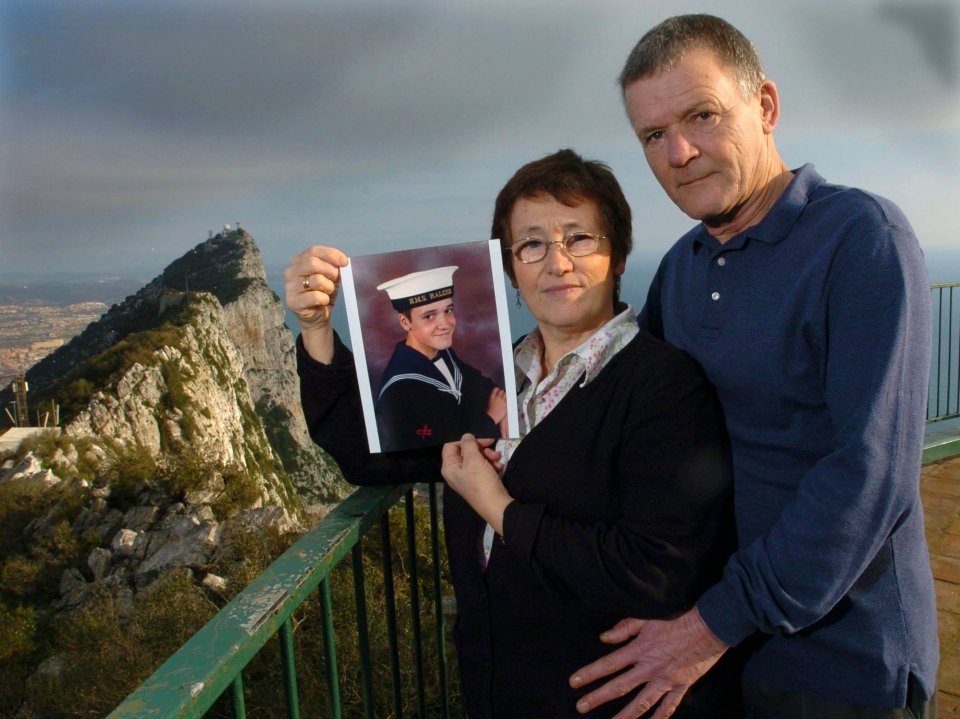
x: 427, y: 394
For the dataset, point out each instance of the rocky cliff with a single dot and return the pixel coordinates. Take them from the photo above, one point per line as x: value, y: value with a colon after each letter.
x: 249, y: 324
x: 182, y: 452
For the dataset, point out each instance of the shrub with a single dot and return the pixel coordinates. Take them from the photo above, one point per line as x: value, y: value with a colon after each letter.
x: 128, y: 469
x: 240, y: 491
x: 106, y: 659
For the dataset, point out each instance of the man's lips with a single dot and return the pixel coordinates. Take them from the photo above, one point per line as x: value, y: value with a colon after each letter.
x: 688, y: 182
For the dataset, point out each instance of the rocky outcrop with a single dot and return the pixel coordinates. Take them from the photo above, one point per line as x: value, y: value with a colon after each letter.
x: 249, y: 331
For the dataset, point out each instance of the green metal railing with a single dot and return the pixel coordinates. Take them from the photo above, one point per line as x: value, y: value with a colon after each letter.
x: 211, y: 663
x: 944, y: 394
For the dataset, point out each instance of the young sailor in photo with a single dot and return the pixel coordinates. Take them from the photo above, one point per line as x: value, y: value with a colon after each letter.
x: 427, y: 394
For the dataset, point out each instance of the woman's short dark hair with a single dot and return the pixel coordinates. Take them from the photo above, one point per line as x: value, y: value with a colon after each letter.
x: 571, y: 180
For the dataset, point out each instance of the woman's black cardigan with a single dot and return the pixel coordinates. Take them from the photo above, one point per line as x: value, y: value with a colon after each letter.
x: 622, y: 509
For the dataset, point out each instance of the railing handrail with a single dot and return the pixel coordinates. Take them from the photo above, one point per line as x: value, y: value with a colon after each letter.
x: 197, y: 674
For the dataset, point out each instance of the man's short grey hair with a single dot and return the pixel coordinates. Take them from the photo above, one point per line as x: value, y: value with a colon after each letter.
x: 665, y: 45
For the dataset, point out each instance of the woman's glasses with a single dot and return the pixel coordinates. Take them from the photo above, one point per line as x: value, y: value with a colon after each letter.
x: 575, y: 244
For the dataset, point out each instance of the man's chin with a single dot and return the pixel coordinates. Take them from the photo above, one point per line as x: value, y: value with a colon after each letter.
x: 708, y: 216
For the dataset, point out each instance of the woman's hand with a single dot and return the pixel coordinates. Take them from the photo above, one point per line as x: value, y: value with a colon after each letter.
x: 468, y: 470
x: 311, y: 282
x: 488, y: 448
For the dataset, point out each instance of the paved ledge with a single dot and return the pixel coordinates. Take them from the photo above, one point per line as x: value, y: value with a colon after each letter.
x: 941, y: 441
x: 940, y: 491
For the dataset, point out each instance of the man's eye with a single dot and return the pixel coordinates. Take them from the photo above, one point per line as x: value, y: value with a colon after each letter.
x: 652, y: 137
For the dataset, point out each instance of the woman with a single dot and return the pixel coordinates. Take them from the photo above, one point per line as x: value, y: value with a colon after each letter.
x: 614, y: 501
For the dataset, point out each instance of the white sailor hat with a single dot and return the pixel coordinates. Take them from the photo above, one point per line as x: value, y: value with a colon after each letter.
x: 420, y: 288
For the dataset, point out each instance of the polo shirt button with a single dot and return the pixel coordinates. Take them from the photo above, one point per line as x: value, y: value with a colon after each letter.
x: 715, y: 296
x: 721, y: 261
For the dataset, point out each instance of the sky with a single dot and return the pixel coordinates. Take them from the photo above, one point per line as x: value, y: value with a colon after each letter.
x: 131, y: 130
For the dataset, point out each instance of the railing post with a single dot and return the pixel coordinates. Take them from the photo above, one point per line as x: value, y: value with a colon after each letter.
x: 415, y: 602
x: 391, y: 609
x: 330, y: 649
x: 363, y: 636
x: 239, y: 708
x: 950, y: 354
x: 438, y: 600
x: 289, y: 670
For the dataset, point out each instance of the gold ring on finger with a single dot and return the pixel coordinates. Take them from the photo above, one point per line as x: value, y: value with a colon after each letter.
x: 306, y: 283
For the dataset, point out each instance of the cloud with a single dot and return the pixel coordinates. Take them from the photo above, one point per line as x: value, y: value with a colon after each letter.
x: 933, y: 26
x: 130, y: 126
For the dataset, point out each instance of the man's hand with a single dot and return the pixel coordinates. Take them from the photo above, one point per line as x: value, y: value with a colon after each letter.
x: 666, y: 656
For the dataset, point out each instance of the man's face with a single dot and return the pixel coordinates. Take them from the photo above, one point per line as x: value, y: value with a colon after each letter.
x: 430, y: 327
x: 706, y: 144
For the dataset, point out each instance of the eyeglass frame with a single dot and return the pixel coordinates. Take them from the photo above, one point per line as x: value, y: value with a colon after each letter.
x: 517, y: 247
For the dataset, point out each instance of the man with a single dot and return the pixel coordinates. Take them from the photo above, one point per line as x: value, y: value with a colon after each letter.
x: 808, y: 306
x: 427, y: 394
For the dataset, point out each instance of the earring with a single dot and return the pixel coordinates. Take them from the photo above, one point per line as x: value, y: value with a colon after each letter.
x: 519, y: 304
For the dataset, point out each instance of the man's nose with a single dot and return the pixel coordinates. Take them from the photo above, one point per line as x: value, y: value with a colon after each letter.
x: 681, y: 149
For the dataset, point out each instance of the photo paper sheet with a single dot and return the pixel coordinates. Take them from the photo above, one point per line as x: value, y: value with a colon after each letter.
x: 432, y: 346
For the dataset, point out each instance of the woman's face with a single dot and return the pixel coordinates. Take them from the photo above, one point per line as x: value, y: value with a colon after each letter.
x: 567, y: 295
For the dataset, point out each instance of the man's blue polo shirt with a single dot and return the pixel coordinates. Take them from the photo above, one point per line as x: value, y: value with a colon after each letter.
x: 814, y: 325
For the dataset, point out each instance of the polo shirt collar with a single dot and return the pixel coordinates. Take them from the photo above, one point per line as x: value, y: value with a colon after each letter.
x: 778, y: 222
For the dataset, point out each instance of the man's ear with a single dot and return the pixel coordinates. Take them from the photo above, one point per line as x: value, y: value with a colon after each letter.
x: 404, y: 322
x: 769, y: 105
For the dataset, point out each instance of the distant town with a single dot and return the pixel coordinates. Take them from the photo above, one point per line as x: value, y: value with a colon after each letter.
x: 37, y: 316
x: 28, y: 333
